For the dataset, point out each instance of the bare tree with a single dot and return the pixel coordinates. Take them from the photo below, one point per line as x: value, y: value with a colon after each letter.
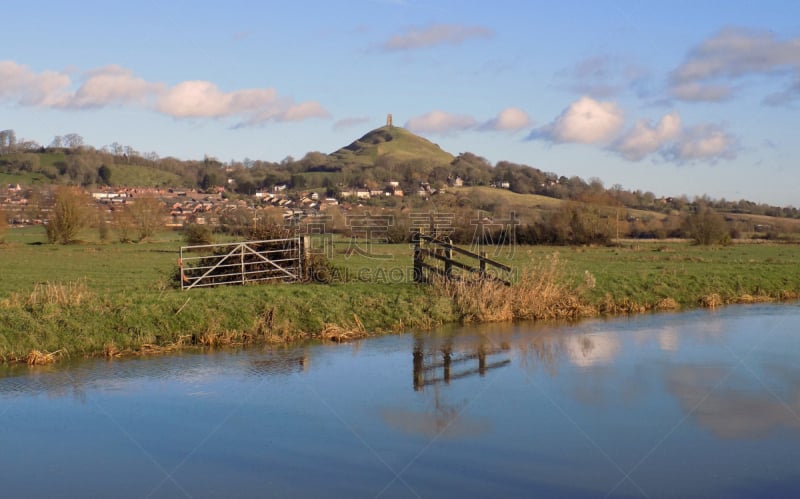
x: 146, y: 215
x: 73, y: 141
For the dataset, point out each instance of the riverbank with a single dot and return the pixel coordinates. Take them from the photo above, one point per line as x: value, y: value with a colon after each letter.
x: 116, y: 299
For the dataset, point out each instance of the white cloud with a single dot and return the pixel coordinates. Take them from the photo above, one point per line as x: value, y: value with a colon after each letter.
x: 436, y: 34
x: 585, y: 121
x: 644, y: 138
x: 704, y: 142
x: 303, y: 111
x: 669, y: 139
x: 202, y: 99
x: 509, y: 119
x: 20, y: 84
x: 115, y: 86
x: 440, y: 122
x: 714, y: 65
x: 112, y: 85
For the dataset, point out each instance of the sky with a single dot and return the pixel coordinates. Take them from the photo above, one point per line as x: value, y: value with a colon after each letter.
x: 677, y: 98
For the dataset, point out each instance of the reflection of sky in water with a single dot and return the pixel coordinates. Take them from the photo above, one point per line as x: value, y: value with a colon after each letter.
x: 692, y: 404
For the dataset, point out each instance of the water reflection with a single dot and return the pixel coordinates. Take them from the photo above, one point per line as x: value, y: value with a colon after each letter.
x: 445, y: 360
x: 730, y: 406
x: 494, y: 410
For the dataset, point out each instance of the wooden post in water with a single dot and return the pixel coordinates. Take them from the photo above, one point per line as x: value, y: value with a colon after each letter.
x: 419, y: 359
x: 446, y: 361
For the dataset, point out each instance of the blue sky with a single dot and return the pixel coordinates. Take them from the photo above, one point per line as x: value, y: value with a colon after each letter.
x: 679, y: 97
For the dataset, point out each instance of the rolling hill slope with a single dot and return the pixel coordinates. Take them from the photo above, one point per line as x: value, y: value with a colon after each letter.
x: 390, y: 142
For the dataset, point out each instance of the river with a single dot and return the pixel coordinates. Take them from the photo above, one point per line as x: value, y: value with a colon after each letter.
x: 693, y: 404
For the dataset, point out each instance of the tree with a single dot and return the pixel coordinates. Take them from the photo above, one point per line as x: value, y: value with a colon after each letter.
x: 706, y: 227
x: 70, y: 214
x: 210, y: 180
x: 73, y: 141
x: 146, y: 214
x: 104, y: 173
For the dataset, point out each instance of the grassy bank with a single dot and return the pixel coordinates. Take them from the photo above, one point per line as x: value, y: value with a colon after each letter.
x: 96, y: 298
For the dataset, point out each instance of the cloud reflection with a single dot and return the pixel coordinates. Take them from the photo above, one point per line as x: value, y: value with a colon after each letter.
x: 728, y: 412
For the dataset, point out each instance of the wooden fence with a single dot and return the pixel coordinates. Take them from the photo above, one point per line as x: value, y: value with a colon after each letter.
x: 441, y: 250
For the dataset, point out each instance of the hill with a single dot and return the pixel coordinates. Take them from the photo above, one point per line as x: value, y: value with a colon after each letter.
x: 393, y: 143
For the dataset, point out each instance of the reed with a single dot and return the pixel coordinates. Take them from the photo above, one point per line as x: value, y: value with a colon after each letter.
x: 39, y: 358
x: 540, y: 293
x: 69, y: 294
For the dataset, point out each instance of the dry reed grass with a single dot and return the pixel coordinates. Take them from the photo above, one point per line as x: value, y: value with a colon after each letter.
x: 39, y: 358
x: 625, y: 306
x: 667, y: 304
x: 339, y: 334
x: 540, y: 293
x: 711, y: 301
x: 111, y: 351
x: 747, y: 299
x: 69, y: 294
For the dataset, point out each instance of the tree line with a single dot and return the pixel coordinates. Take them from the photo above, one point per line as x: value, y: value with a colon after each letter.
x: 69, y: 160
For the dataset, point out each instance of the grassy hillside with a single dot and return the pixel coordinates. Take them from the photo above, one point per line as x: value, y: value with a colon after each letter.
x: 27, y: 178
x: 390, y: 141
x: 142, y: 176
x: 510, y: 198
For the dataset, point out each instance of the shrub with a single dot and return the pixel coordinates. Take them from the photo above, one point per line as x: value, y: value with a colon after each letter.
x: 707, y: 227
x: 69, y: 215
x: 198, y: 234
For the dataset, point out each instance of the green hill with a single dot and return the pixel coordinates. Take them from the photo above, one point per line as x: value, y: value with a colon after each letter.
x: 390, y: 142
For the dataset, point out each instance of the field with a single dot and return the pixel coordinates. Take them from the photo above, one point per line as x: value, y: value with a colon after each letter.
x: 110, y: 298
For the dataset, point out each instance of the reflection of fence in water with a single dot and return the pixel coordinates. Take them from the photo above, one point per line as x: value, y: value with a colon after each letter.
x: 280, y: 364
x: 448, y: 362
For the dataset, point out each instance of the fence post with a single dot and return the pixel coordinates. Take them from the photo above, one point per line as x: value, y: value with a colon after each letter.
x: 417, y: 258
x: 180, y: 268
x: 304, y: 257
x: 242, y: 257
x: 483, y: 264
x: 448, y: 254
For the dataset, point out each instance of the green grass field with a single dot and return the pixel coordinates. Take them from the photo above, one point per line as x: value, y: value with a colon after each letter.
x: 122, y: 296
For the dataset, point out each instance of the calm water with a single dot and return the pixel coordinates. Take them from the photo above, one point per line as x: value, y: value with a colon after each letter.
x: 699, y: 404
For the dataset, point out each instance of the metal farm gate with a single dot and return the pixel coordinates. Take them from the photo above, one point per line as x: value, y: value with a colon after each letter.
x: 241, y: 263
